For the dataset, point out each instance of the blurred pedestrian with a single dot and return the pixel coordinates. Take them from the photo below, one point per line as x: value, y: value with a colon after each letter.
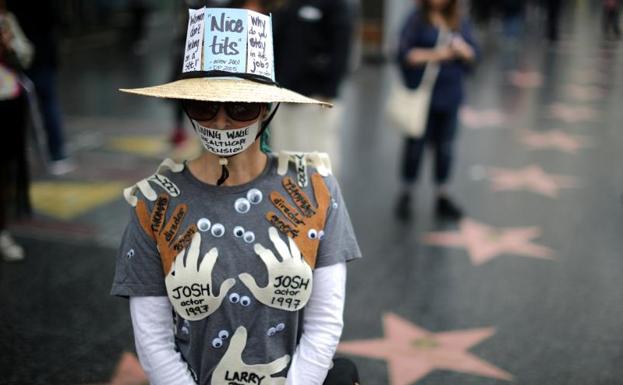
x: 611, y: 18
x: 418, y: 46
x: 15, y: 54
x: 40, y: 27
x: 512, y: 18
x: 313, y: 41
x: 553, y: 9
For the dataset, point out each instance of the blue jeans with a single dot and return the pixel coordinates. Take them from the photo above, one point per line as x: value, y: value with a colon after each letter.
x: 45, y: 85
x: 439, y: 134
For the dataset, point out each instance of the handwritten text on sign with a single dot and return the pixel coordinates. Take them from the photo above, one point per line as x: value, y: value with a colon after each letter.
x: 226, y: 40
x: 260, y: 49
x: 194, y: 40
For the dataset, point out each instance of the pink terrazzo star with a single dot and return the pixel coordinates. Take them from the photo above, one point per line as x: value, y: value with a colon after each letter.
x: 584, y: 93
x: 412, y: 352
x: 531, y: 178
x: 474, y: 118
x: 525, y: 79
x: 484, y: 243
x: 128, y: 372
x: 554, y: 139
x: 573, y: 114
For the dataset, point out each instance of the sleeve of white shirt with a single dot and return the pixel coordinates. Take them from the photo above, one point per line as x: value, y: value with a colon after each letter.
x: 154, y: 339
x: 322, y: 327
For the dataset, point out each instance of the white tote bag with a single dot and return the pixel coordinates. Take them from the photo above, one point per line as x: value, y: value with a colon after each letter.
x: 408, y: 109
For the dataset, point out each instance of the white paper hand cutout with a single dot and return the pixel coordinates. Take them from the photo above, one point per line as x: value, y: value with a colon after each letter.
x: 190, y: 289
x: 289, y: 280
x: 319, y: 160
x: 145, y: 188
x: 232, y: 370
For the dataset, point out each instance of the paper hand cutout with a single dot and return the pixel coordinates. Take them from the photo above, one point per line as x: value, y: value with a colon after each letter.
x: 305, y: 222
x: 190, y: 287
x: 165, y: 234
x: 319, y: 160
x: 289, y: 280
x: 145, y: 188
x: 232, y: 370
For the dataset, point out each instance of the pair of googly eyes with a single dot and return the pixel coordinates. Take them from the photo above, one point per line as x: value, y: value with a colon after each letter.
x: 217, y: 229
x: 237, y: 298
x: 276, y: 329
x: 243, y: 205
x: 247, y: 236
x: 130, y: 254
x: 334, y: 203
x: 220, y: 340
x: 315, y: 234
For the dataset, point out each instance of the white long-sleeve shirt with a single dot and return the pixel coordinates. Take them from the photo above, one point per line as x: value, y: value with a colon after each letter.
x: 322, y: 328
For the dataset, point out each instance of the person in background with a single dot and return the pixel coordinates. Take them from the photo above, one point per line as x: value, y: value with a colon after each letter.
x: 611, y: 18
x: 512, y: 17
x: 417, y: 47
x: 40, y: 29
x: 15, y: 54
x: 553, y: 8
x: 312, y: 52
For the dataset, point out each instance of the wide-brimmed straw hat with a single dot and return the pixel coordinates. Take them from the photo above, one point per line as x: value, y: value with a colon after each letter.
x: 241, y: 71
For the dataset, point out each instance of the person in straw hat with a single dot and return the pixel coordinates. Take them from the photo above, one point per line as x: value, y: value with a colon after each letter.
x: 235, y: 262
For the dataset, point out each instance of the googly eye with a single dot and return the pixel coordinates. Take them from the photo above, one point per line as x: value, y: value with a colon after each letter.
x: 321, y: 235
x: 217, y: 343
x: 249, y: 237
x: 238, y: 231
x: 242, y: 205
x: 223, y: 334
x: 245, y: 301
x: 280, y: 326
x: 312, y: 234
x: 218, y: 230
x: 254, y: 196
x: 203, y: 224
x: 234, y: 298
x: 271, y: 332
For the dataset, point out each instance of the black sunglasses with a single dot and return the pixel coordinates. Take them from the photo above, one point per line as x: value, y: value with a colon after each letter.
x: 239, y: 111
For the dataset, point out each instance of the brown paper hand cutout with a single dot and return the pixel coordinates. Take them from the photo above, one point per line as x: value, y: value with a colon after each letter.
x: 153, y: 224
x: 304, y: 222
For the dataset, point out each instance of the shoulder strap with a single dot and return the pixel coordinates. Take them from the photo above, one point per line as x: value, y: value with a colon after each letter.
x: 432, y: 69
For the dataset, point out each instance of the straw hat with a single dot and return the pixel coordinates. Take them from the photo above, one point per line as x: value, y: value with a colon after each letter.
x: 247, y: 35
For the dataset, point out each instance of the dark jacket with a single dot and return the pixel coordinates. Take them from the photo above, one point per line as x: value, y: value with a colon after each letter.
x: 312, y: 41
x: 448, y: 91
x: 39, y: 21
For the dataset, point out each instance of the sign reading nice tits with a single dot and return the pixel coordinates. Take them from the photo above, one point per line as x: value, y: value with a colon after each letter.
x: 231, y: 40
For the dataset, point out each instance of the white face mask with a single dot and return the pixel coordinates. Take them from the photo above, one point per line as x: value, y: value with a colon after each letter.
x: 227, y: 142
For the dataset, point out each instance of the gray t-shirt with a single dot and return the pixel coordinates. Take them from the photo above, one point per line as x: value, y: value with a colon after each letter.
x: 216, y: 231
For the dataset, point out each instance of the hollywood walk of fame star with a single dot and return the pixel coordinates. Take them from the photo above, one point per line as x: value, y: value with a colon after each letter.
x: 128, y: 372
x: 412, y: 352
x: 554, y: 139
x: 531, y: 178
x: 484, y: 243
x: 525, y: 79
x: 474, y: 118
x: 584, y: 92
x: 573, y: 114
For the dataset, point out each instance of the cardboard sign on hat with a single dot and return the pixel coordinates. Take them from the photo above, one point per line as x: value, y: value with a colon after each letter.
x: 228, y: 57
